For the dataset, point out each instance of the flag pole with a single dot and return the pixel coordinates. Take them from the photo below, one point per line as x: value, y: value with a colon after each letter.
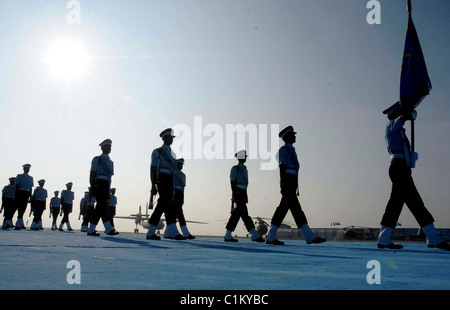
x: 409, y: 9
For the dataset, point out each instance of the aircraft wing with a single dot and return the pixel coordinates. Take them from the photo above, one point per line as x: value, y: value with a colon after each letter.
x: 196, y: 222
x: 163, y: 219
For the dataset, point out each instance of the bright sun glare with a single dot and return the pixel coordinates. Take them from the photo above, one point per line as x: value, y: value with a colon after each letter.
x: 67, y: 59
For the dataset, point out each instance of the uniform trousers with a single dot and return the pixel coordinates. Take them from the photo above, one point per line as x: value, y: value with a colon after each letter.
x: 111, y: 214
x: 404, y: 191
x: 39, y: 207
x: 240, y: 211
x: 289, y: 201
x: 66, y: 209
x: 22, y: 198
x: 178, y: 207
x: 88, y: 215
x: 165, y: 201
x: 9, y: 205
x: 55, y: 213
x: 101, y: 194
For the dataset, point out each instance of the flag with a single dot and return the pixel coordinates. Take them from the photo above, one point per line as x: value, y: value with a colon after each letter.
x: 415, y: 83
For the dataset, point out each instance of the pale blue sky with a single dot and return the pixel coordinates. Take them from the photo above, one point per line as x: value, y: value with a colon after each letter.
x: 314, y: 64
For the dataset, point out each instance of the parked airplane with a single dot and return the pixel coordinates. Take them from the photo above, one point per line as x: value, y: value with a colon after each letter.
x: 142, y: 220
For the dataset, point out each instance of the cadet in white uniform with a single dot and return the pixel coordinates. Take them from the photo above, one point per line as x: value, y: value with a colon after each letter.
x: 239, y: 184
x: 9, y: 203
x: 55, y: 207
x: 87, y: 210
x: 24, y: 185
x: 38, y: 203
x: 162, y: 170
x: 112, y: 203
x: 404, y: 190
x: 289, y: 167
x: 178, y: 202
x: 102, y: 170
x: 67, y: 198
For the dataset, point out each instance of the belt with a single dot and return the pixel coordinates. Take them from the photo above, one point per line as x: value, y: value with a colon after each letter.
x: 241, y: 186
x: 165, y: 171
x: 397, y: 155
x: 291, y: 171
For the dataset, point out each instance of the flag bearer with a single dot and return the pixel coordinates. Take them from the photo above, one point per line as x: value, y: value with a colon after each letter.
x: 404, y: 189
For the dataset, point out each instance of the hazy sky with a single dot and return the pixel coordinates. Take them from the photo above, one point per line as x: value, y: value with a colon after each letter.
x: 314, y: 64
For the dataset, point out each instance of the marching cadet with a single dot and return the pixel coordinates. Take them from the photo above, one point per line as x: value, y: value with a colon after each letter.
x: 239, y: 184
x: 55, y: 206
x: 67, y: 198
x: 404, y: 189
x: 162, y: 170
x: 24, y: 185
x: 179, y: 186
x: 102, y: 170
x: 38, y: 202
x: 289, y: 167
x: 83, y: 206
x: 87, y: 210
x: 112, y: 203
x: 8, y: 203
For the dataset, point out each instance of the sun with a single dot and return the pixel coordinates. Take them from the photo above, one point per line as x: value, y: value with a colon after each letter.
x: 67, y: 59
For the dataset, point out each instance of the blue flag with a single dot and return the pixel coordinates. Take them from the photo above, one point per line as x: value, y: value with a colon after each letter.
x: 414, y: 80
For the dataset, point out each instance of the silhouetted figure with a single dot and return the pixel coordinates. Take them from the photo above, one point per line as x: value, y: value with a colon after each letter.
x: 67, y: 198
x: 112, y: 204
x: 9, y: 203
x: 239, y: 184
x: 24, y: 185
x: 289, y: 167
x: 55, y: 207
x: 178, y: 202
x: 38, y: 204
x: 87, y: 206
x: 162, y: 170
x: 404, y: 189
x: 102, y: 170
